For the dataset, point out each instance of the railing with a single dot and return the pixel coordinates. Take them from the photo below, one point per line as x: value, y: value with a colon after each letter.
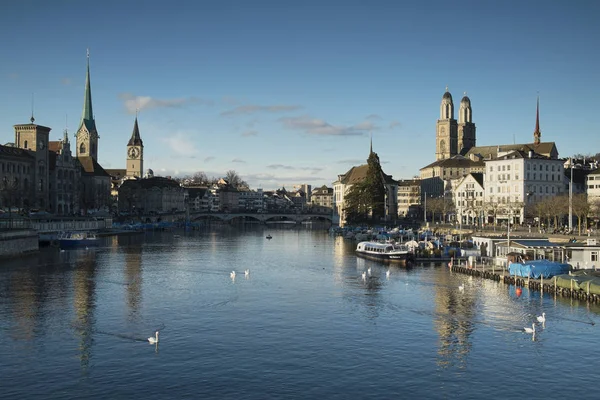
x: 14, y: 223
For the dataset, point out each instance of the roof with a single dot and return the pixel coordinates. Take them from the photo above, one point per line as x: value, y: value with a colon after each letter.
x: 55, y: 145
x: 91, y: 167
x: 456, y: 161
x: 9, y: 151
x: 522, y: 154
x: 197, y: 192
x: 447, y: 95
x: 358, y: 174
x: 533, y: 243
x: 478, y: 176
x: 409, y: 182
x: 149, y: 183
x: 117, y: 173
x: 135, y: 140
x: 491, y: 152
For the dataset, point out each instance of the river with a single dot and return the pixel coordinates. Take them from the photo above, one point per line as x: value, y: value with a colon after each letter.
x: 302, y: 325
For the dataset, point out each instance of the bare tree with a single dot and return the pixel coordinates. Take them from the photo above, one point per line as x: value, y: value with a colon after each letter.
x: 234, y: 179
x: 581, y: 208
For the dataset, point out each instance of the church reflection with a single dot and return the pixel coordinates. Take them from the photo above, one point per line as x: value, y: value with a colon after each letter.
x: 455, y: 312
x: 84, y: 300
x: 132, y: 248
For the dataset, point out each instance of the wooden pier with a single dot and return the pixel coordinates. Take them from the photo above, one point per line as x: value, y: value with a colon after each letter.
x: 499, y: 274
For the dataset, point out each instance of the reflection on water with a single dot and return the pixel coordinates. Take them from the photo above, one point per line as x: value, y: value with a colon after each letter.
x: 305, y: 318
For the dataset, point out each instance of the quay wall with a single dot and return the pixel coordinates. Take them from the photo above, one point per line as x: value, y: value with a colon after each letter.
x: 14, y: 243
x: 545, y: 285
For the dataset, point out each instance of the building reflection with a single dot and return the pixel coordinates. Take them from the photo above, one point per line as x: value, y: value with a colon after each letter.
x: 455, y: 312
x: 132, y: 248
x: 84, y: 300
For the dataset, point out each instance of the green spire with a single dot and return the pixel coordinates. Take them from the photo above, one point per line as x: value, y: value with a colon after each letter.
x: 87, y: 118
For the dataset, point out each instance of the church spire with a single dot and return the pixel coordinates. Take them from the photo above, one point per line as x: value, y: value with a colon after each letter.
x: 537, y: 134
x: 136, y: 139
x: 87, y: 117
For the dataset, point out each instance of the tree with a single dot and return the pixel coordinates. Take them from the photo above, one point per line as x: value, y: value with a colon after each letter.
x: 234, y: 179
x: 366, y: 199
x: 357, y: 204
x: 581, y: 208
x: 375, y: 187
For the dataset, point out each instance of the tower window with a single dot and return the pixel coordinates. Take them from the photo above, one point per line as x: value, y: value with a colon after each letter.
x: 25, y: 144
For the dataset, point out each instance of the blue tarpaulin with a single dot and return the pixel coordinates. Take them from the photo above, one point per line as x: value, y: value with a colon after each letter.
x: 535, y: 269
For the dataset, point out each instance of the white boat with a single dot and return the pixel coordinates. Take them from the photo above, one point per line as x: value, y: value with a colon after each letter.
x: 389, y: 252
x: 68, y: 240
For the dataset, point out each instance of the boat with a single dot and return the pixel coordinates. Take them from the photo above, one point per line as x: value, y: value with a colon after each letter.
x: 269, y: 237
x: 69, y: 240
x: 389, y: 252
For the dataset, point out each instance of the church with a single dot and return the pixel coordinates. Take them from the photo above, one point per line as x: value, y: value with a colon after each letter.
x: 456, y: 153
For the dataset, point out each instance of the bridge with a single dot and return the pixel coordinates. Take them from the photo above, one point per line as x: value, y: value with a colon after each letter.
x: 261, y: 217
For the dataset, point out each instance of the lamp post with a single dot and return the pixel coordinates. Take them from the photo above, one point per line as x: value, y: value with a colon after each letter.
x: 571, y: 197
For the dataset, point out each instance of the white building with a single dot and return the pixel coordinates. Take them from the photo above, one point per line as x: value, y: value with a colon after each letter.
x: 516, y: 178
x: 469, y: 199
x: 593, y: 189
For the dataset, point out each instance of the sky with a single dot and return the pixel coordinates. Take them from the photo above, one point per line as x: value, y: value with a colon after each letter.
x: 289, y: 92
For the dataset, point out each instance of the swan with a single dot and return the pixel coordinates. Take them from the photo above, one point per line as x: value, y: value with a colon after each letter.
x: 387, y: 273
x: 364, y: 276
x: 542, y: 318
x: 461, y: 287
x: 369, y: 271
x: 232, y: 274
x: 530, y: 330
x: 247, y: 272
x: 154, y: 339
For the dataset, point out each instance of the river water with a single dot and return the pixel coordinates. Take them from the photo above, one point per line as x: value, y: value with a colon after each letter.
x: 302, y: 325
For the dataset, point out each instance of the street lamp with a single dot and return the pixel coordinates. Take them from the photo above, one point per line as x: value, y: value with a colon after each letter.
x: 571, y: 197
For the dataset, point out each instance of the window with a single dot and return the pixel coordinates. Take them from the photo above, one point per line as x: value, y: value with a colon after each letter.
x: 594, y: 256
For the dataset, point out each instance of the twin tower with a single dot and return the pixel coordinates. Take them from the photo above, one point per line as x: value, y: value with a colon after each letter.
x: 454, y: 137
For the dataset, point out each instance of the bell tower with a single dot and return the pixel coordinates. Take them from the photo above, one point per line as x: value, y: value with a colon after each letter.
x: 135, y: 153
x: 87, y: 136
x: 466, y: 127
x: 446, y: 129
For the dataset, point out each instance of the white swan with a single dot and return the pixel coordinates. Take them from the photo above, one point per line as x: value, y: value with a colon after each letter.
x: 154, y: 339
x: 387, y: 273
x: 232, y: 274
x: 530, y: 330
x: 542, y: 318
x: 247, y: 272
x: 369, y: 271
x: 364, y: 276
x: 461, y: 288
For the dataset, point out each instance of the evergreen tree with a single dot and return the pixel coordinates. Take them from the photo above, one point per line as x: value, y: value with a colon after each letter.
x: 375, y: 187
x: 366, y: 200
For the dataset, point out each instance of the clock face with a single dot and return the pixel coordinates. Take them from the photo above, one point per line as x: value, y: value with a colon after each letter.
x: 134, y: 152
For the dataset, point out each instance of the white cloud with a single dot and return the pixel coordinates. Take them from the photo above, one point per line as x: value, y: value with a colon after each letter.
x: 209, y: 159
x: 280, y: 166
x: 394, y: 124
x: 133, y: 103
x: 253, y: 108
x: 250, y: 133
x: 238, y: 160
x: 373, y: 116
x: 315, y: 126
x: 181, y: 144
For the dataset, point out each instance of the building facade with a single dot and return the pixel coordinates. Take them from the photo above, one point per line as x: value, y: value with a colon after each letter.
x: 409, y: 197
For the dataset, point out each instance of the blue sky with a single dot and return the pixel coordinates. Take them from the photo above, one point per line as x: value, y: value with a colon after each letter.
x: 288, y: 92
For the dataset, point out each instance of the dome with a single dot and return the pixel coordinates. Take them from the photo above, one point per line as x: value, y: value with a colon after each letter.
x: 149, y: 173
x: 447, y: 95
x: 465, y: 100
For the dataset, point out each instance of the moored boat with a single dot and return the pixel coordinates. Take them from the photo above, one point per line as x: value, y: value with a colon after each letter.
x: 69, y: 240
x: 389, y: 252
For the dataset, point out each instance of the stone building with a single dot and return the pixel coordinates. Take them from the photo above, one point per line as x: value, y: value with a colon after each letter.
x: 322, y: 198
x: 409, y: 197
x: 151, y: 195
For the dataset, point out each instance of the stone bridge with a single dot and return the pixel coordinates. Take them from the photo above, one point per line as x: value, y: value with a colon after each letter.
x: 266, y: 217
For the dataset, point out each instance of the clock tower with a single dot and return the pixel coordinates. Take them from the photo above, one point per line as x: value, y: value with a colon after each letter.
x: 135, y: 153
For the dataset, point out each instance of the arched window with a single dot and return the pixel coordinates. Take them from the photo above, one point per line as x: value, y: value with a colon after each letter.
x: 82, y: 148
x: 25, y: 144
